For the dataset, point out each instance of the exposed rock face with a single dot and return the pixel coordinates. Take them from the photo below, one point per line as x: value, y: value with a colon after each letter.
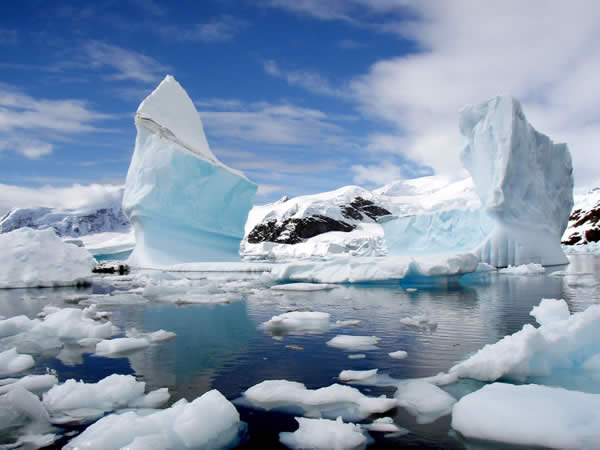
x: 360, y: 206
x: 294, y: 231
x: 584, y: 226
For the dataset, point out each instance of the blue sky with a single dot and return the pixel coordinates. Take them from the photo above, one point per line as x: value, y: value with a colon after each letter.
x: 302, y: 95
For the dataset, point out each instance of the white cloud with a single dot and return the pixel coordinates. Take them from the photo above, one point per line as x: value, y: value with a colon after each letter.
x: 29, y: 125
x: 127, y: 64
x: 73, y: 197
x: 265, y: 190
x: 544, y: 53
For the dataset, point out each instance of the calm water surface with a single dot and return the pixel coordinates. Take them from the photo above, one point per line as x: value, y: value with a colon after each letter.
x: 223, y: 346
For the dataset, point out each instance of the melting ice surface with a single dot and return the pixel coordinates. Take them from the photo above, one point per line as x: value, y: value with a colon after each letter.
x: 226, y: 345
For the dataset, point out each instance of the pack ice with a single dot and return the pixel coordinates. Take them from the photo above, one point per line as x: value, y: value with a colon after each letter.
x: 184, y: 204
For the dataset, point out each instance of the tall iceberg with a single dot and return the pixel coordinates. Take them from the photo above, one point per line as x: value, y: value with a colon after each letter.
x: 184, y: 204
x: 524, y: 181
x: 525, y: 187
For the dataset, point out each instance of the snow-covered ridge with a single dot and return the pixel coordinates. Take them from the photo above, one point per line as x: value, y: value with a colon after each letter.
x: 583, y: 222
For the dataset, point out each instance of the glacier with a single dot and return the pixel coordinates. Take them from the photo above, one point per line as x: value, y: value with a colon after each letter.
x: 184, y: 204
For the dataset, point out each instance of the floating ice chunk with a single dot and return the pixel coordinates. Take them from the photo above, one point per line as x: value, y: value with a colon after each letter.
x: 184, y: 204
x: 559, y: 344
x: 75, y: 324
x: 357, y: 356
x: 39, y: 258
x: 362, y: 270
x: 154, y: 337
x: 298, y: 322
x: 12, y: 362
x: 210, y: 421
x: 485, y: 267
x: 324, y: 434
x: 115, y: 299
x: 423, y: 400
x: 303, y: 287
x: 357, y: 375
x: 79, y: 401
x: 348, y: 342
x: 385, y: 425
x: 400, y: 354
x: 529, y: 415
x: 550, y: 310
x: 33, y: 383
x: 120, y: 345
x: 523, y: 269
x: 421, y: 321
x: 347, y: 323
x: 329, y: 401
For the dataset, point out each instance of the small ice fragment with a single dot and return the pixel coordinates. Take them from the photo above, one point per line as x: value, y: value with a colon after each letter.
x: 348, y: 342
x: 385, y: 425
x: 347, y: 323
x: 299, y: 321
x: 423, y: 400
x: 523, y: 269
x: 120, y: 345
x: 303, y: 287
x: 357, y: 356
x: 324, y: 434
x: 356, y: 375
x: 411, y: 289
x: 12, y: 362
x: 400, y: 354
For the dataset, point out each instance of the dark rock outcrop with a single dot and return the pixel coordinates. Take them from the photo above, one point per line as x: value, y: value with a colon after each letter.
x: 590, y: 219
x: 293, y: 231
x: 112, y: 268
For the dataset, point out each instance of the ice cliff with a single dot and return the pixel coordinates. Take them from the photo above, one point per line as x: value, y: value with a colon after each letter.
x: 184, y: 204
x: 524, y: 181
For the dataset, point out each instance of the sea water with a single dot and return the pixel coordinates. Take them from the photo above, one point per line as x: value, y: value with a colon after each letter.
x: 223, y: 346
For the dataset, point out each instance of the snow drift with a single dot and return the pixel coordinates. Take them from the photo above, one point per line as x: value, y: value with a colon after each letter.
x: 184, y: 204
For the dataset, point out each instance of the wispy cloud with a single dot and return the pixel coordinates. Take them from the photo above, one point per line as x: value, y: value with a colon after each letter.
x: 30, y: 126
x: 125, y: 64
x: 311, y: 81
x: 223, y: 28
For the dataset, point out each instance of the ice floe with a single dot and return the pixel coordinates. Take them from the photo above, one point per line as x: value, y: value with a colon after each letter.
x: 324, y: 434
x: 120, y: 345
x: 331, y: 401
x: 76, y: 401
x: 523, y: 269
x: 33, y: 383
x: 400, y: 354
x: 384, y: 425
x: 357, y: 375
x: 12, y: 362
x: 298, y: 322
x: 348, y: 342
x: 39, y: 258
x: 210, y: 421
x: 530, y: 415
x: 303, y: 287
x: 423, y: 400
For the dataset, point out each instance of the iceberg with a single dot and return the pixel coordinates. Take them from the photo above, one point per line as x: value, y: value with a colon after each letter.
x: 39, y: 258
x: 184, y: 204
x: 524, y: 181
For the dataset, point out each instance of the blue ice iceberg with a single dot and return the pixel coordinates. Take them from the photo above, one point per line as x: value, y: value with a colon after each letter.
x: 184, y: 204
x: 525, y: 186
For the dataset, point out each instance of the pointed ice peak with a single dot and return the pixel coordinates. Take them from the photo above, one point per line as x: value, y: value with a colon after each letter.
x: 169, y: 107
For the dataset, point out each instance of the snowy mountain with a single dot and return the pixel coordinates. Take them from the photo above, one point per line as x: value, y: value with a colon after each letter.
x: 583, y: 226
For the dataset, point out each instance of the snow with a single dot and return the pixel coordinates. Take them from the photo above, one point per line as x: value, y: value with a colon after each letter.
x: 562, y: 343
x: 12, y: 362
x: 425, y: 401
x: 299, y: 322
x: 524, y: 181
x: 530, y: 415
x: 523, y: 269
x: 356, y: 375
x: 40, y: 258
x: 210, y: 421
x: 362, y: 270
x: 75, y: 401
x: 303, y: 287
x: 120, y: 345
x: 324, y: 434
x: 400, y: 354
x: 32, y: 383
x: 336, y: 400
x: 348, y: 342
x: 184, y: 205
x: 109, y: 242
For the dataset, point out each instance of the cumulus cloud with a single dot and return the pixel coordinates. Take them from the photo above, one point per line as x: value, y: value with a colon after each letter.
x: 311, y: 81
x: 78, y: 196
x: 544, y: 53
